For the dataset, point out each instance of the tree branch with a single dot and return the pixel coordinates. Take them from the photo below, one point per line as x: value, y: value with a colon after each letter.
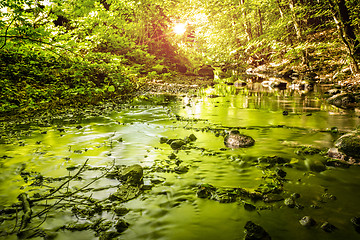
x: 7, y: 31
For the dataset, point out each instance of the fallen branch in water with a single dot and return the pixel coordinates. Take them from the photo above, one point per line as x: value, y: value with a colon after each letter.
x: 24, y: 199
x: 67, y: 195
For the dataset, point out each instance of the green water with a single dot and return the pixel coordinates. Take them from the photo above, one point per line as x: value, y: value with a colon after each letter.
x: 171, y: 210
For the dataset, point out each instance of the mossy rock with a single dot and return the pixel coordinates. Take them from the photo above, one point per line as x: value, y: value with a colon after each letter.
x: 132, y: 174
x: 349, y: 144
x: 236, y: 140
x: 177, y: 144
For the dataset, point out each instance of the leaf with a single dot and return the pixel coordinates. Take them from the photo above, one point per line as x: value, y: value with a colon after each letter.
x: 111, y: 88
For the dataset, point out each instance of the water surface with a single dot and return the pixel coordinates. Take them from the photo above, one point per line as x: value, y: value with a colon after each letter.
x: 171, y: 209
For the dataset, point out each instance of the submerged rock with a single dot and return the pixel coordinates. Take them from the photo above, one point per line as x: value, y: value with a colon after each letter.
x: 255, y: 232
x: 131, y: 178
x: 236, y: 140
x: 125, y: 193
x: 121, y: 225
x: 307, y: 221
x: 356, y: 223
x: 349, y: 144
x: 290, y: 202
x: 328, y: 227
x: 205, y: 191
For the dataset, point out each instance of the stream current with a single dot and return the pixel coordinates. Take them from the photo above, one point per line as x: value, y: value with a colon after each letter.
x: 171, y: 210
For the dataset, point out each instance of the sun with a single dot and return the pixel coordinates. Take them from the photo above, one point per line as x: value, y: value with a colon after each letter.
x: 179, y: 28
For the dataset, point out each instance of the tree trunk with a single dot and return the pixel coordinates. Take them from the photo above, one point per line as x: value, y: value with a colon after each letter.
x: 260, y: 29
x: 247, y: 24
x: 280, y: 9
x: 298, y: 32
x: 346, y: 32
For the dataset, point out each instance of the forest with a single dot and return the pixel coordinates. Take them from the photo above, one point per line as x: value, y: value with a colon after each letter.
x: 82, y: 52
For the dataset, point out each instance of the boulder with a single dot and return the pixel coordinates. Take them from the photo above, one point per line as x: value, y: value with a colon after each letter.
x: 236, y: 140
x: 206, y: 71
x: 349, y: 144
x: 344, y: 100
x: 181, y: 68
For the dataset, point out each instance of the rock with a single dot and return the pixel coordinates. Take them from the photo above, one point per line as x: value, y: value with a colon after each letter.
x: 271, y: 197
x: 307, y: 150
x: 317, y: 166
x: 344, y: 100
x: 302, y: 85
x: 356, y: 223
x: 286, y: 73
x: 121, y: 211
x: 240, y: 83
x: 307, y: 221
x: 249, y: 207
x: 289, y: 202
x: 181, y: 169
x: 255, y: 232
x: 177, y: 144
x: 334, y: 153
x: 206, y: 71
x: 121, y: 225
x: 295, y: 195
x: 192, y: 137
x: 281, y: 173
x: 125, y: 193
x: 132, y: 175
x: 181, y: 68
x: 278, y: 84
x: 108, y: 235
x: 236, y: 140
x: 333, y: 91
x: 273, y: 160
x: 205, y: 191
x: 349, y: 144
x: 328, y: 227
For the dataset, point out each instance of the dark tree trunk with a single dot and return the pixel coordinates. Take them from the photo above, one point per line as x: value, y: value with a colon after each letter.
x: 348, y: 28
x: 346, y: 31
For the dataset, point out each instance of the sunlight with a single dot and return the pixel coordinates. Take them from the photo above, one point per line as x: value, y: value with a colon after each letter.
x: 179, y: 28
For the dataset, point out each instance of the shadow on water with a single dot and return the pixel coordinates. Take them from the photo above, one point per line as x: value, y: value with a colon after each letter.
x: 282, y: 122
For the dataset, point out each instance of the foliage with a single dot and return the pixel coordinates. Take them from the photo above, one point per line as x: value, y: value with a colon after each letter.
x: 73, y: 52
x: 89, y: 50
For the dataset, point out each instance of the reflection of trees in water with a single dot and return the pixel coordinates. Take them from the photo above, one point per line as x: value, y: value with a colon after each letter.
x: 259, y: 96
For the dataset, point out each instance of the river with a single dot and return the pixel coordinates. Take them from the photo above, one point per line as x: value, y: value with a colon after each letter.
x: 280, y: 121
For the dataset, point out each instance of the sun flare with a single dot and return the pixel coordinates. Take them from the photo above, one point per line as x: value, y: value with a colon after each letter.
x: 179, y: 28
